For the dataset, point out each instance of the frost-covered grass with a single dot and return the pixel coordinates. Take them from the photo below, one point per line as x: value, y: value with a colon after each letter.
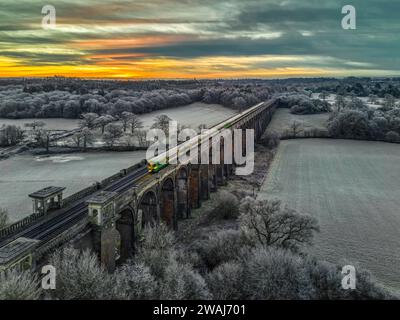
x: 282, y: 119
x: 51, y: 124
x: 352, y: 188
x: 24, y: 174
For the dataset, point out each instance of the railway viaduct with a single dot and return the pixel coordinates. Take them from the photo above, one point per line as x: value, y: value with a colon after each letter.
x: 109, y: 217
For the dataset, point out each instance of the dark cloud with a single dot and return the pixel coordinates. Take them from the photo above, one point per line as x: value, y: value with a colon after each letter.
x: 213, y: 28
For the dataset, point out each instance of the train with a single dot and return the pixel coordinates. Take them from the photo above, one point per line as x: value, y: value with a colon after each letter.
x: 162, y: 160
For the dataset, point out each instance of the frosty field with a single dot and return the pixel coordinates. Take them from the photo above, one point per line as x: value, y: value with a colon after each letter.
x: 353, y: 189
x: 283, y: 118
x: 24, y: 174
x: 190, y: 115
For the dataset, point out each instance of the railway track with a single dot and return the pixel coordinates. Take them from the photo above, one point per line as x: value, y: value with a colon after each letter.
x: 48, y: 228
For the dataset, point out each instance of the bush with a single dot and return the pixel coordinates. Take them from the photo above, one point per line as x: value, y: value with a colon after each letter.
x: 182, y: 282
x: 272, y: 140
x: 136, y: 280
x: 221, y: 246
x: 225, y: 281
x: 16, y: 285
x: 392, y: 136
x: 270, y: 273
x: 79, y: 276
x: 156, y: 249
x: 227, y: 206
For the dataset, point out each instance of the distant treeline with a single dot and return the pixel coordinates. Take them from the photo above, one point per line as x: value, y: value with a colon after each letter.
x: 70, y: 98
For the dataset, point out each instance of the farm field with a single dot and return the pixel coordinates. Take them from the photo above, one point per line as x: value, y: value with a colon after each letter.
x: 190, y: 115
x: 283, y: 118
x: 352, y: 188
x: 24, y: 174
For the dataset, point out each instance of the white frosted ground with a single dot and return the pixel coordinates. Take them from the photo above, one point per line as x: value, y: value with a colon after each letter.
x: 353, y: 189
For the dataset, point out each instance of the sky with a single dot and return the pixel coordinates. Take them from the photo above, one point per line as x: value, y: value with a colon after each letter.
x: 199, y: 39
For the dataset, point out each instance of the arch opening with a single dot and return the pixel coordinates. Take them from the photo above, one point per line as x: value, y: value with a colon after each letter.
x: 183, y: 194
x: 125, y: 226
x: 148, y: 209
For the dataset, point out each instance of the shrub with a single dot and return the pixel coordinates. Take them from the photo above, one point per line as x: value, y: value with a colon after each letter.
x: 272, y: 140
x: 392, y: 136
x: 156, y: 249
x: 326, y: 279
x: 180, y: 281
x: 270, y: 273
x: 79, y: 276
x: 136, y: 280
x: 16, y: 285
x: 227, y: 206
x: 225, y: 281
x: 221, y: 246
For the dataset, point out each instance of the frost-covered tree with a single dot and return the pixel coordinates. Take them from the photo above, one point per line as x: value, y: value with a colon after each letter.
x: 162, y: 122
x: 112, y: 133
x: 102, y: 121
x: 89, y: 120
x: 80, y: 276
x: 136, y: 281
x: 267, y: 223
x: 17, y: 285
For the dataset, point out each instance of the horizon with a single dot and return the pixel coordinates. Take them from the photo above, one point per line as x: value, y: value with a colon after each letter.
x: 189, y: 39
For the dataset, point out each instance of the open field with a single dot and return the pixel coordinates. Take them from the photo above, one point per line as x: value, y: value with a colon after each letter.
x: 24, y: 174
x: 51, y: 124
x: 283, y: 118
x: 190, y: 115
x: 352, y: 188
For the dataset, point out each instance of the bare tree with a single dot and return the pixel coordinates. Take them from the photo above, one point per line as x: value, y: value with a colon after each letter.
x: 340, y: 102
x: 87, y: 136
x: 141, y: 137
x: 35, y: 124
x: 125, y: 118
x: 103, y: 121
x: 10, y: 135
x: 267, y: 223
x: 162, y: 122
x: 135, y: 123
x: 112, y: 133
x: 295, y: 128
x: 42, y: 138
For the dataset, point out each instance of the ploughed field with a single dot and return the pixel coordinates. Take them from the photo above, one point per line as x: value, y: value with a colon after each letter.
x: 353, y: 189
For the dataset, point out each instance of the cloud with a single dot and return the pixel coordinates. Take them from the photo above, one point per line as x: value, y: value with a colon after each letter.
x: 96, y: 34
